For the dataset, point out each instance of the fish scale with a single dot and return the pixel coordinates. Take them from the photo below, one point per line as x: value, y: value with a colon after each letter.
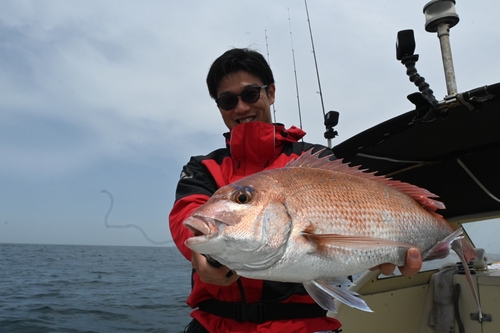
x: 345, y: 210
x: 317, y: 221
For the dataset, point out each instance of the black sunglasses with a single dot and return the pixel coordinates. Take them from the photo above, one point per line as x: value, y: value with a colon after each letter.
x: 228, y: 101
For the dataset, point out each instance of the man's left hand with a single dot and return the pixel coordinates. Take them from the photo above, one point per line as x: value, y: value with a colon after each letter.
x: 411, y: 268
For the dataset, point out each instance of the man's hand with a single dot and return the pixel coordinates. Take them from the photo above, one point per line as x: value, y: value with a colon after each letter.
x: 221, y: 276
x: 411, y: 267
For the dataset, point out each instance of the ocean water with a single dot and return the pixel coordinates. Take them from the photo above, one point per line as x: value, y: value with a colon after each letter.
x: 66, y: 288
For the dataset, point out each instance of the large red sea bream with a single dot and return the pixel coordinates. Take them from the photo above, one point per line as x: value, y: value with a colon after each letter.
x: 318, y: 221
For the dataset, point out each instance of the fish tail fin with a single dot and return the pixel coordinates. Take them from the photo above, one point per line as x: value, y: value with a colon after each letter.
x: 466, y: 252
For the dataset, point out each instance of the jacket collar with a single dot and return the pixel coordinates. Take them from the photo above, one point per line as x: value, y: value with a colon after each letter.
x: 258, y: 144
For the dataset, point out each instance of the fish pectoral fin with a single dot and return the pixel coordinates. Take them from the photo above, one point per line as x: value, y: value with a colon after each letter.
x: 320, y: 296
x: 324, y: 293
x: 351, y: 241
x: 443, y: 247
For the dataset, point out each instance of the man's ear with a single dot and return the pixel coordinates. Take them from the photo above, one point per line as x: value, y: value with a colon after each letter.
x: 271, y: 91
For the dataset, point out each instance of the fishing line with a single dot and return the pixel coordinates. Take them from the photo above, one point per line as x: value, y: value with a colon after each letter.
x: 125, y: 226
x: 471, y: 175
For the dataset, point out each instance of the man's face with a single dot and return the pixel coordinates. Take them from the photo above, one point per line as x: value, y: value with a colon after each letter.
x: 234, y: 84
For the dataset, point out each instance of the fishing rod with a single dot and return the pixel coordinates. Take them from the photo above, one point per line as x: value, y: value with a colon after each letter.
x: 331, y: 118
x: 315, y: 61
x: 294, y: 68
x: 269, y: 62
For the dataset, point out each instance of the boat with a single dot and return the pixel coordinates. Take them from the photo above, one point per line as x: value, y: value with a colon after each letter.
x: 452, y: 148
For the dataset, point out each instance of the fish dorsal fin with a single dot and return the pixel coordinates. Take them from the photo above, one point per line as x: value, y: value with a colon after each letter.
x: 312, y: 160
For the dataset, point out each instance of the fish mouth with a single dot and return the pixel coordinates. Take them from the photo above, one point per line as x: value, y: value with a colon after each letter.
x: 202, y: 227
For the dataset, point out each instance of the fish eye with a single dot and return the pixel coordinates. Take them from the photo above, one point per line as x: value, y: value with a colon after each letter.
x: 242, y: 196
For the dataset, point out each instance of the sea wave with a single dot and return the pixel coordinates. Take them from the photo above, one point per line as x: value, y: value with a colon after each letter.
x: 83, y: 289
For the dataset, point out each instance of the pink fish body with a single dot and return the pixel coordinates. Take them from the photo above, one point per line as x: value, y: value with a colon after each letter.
x: 317, y: 221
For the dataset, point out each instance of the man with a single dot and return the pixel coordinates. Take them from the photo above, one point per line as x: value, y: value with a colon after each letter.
x: 242, y: 84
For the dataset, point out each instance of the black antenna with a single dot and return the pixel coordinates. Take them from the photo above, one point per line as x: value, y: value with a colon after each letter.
x: 269, y: 62
x: 315, y: 61
x: 294, y: 68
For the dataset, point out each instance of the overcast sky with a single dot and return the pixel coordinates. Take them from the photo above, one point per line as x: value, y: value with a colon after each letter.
x: 110, y: 95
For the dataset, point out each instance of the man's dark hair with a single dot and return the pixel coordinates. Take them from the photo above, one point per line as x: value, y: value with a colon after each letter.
x: 235, y: 60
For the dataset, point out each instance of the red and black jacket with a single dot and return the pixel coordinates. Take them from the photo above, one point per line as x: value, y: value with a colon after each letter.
x: 251, y: 147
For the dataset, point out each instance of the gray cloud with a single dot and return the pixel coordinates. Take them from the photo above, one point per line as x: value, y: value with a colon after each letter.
x: 90, y: 88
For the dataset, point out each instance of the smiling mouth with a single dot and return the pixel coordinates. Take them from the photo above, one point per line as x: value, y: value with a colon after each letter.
x: 245, y: 120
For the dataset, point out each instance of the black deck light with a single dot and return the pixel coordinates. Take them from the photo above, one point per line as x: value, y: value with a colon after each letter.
x: 331, y: 120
